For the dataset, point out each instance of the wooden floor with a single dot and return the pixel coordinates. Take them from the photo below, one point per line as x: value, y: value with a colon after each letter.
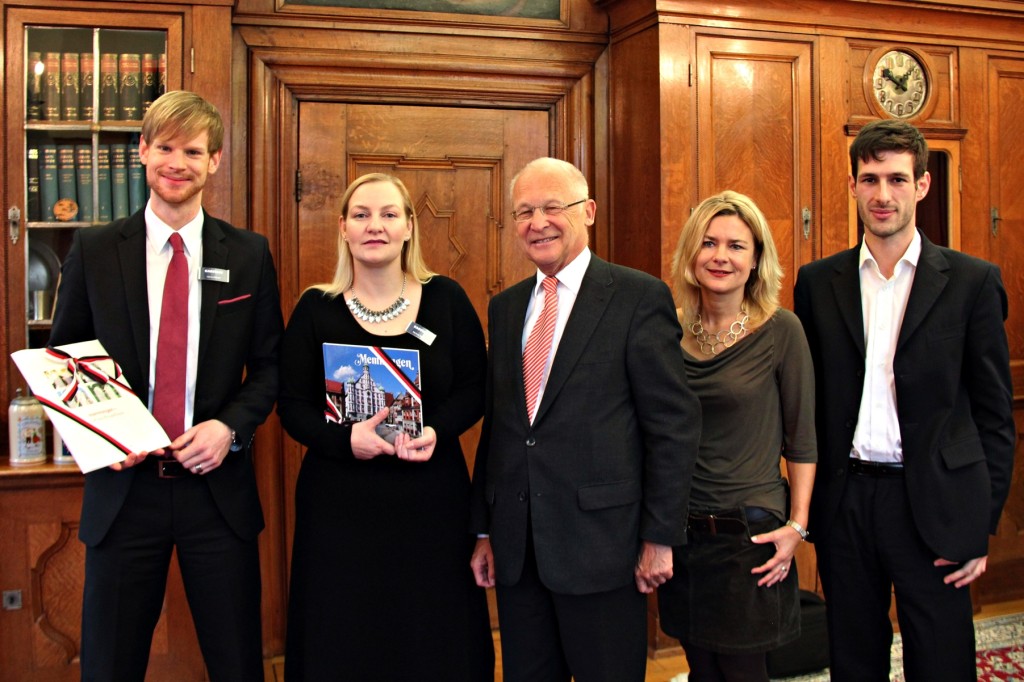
x: 660, y: 669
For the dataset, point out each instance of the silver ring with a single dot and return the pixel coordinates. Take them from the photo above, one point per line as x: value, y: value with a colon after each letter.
x: 198, y: 468
x: 784, y: 568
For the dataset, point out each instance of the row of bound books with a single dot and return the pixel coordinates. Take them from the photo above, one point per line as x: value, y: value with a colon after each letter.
x: 61, y: 85
x: 61, y: 186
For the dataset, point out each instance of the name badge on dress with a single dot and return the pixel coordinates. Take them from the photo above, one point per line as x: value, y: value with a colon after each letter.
x: 421, y: 333
x: 215, y: 275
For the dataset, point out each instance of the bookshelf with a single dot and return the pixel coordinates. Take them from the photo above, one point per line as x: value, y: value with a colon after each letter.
x: 86, y: 91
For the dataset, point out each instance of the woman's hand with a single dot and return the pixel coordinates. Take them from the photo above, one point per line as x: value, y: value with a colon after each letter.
x: 776, y: 569
x: 416, y: 449
x: 366, y: 444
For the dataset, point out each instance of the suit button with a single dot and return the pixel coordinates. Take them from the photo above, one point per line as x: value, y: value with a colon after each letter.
x: 531, y: 441
x: 522, y: 496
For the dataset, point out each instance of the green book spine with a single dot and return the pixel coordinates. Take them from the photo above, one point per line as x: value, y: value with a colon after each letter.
x: 119, y: 179
x: 47, y: 181
x: 137, y: 194
x: 32, y: 206
x: 67, y: 181
x: 108, y: 87
x: 103, y: 209
x: 86, y: 95
x: 51, y: 86
x: 83, y: 170
x: 129, y: 73
x: 71, y: 83
x: 34, y: 87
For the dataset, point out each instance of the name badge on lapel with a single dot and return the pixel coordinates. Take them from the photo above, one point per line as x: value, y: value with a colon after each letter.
x: 215, y: 275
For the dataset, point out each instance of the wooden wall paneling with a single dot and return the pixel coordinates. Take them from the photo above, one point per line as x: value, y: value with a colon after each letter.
x: 640, y: 233
x: 209, y: 35
x: 756, y: 133
x: 1004, y: 79
x: 834, y: 167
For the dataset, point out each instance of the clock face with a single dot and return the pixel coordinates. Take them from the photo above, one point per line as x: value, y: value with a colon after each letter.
x: 900, y: 84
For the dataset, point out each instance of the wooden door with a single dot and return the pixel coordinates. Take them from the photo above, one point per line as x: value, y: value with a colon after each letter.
x: 756, y: 135
x: 1004, y: 231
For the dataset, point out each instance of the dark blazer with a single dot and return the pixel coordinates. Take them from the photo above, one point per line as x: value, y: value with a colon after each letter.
x: 608, y: 460
x: 953, y: 392
x: 103, y: 296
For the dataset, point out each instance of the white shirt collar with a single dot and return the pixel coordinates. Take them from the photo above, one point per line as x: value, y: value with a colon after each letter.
x: 571, y: 276
x: 158, y: 232
x: 911, y: 256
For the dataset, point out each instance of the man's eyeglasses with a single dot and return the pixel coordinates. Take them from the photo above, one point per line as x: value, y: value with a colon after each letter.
x: 524, y: 213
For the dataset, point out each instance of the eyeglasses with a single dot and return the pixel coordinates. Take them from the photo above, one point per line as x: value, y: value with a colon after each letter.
x: 521, y: 215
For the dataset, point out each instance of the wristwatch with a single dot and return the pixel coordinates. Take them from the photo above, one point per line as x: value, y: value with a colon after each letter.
x: 798, y: 528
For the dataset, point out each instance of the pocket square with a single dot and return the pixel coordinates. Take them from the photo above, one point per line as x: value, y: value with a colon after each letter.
x: 236, y: 299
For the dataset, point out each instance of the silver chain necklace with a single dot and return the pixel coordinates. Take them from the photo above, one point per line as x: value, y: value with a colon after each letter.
x: 375, y: 316
x: 713, y: 343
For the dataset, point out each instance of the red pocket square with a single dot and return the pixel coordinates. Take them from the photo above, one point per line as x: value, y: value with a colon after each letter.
x: 236, y: 299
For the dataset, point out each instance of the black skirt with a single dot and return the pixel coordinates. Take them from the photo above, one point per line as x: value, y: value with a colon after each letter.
x: 713, y: 599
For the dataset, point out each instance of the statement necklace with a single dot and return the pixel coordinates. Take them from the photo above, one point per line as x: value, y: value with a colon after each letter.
x: 375, y: 316
x: 714, y: 343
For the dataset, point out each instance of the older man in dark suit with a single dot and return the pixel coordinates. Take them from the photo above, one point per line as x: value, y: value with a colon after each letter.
x: 188, y: 306
x: 590, y: 433
x: 915, y: 425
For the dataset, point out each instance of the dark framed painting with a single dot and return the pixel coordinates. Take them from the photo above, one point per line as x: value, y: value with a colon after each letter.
x: 527, y: 9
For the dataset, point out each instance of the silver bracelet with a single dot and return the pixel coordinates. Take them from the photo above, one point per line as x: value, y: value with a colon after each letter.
x: 798, y: 528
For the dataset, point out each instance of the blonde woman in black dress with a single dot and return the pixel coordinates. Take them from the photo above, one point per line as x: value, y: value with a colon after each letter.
x: 381, y: 587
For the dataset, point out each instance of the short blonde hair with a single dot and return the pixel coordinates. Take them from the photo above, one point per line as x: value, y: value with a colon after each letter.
x: 186, y: 114
x: 412, y: 255
x: 761, y: 293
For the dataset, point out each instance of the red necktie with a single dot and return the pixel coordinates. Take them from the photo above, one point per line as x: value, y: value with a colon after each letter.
x: 538, y: 345
x: 172, y: 345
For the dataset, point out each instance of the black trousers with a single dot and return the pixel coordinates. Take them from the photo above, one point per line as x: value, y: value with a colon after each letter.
x: 126, y: 578
x: 874, y: 549
x: 549, y: 637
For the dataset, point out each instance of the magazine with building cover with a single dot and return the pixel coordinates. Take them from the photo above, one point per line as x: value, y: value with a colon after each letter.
x: 361, y: 380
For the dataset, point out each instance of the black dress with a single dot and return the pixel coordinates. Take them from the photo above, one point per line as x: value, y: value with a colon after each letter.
x: 381, y: 587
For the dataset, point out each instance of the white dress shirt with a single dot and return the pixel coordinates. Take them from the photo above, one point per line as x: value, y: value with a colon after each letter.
x: 570, y: 279
x: 158, y: 257
x: 877, y: 437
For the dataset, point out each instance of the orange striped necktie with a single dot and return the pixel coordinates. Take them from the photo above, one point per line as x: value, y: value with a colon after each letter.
x: 538, y: 345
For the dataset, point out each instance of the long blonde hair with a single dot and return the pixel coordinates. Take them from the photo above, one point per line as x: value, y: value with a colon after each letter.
x: 412, y: 256
x: 761, y: 293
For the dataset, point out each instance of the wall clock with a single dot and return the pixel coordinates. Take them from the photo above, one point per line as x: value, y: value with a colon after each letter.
x: 899, y: 83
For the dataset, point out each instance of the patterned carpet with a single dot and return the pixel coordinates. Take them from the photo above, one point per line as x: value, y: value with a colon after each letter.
x: 1000, y: 643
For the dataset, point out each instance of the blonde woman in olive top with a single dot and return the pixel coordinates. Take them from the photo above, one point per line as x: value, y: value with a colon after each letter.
x: 734, y: 595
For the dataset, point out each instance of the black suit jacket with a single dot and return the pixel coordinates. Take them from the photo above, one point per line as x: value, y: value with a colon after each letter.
x: 103, y: 296
x: 608, y: 460
x: 953, y: 392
